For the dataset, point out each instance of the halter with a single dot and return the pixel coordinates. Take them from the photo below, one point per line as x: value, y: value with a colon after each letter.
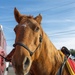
x: 23, y: 45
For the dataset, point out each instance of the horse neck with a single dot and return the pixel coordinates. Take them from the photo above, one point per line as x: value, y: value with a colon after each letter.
x: 50, y: 50
x: 48, y: 59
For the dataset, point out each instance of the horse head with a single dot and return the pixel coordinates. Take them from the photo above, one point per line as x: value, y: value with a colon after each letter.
x: 27, y: 42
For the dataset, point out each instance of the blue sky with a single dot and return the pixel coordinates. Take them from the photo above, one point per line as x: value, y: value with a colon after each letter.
x: 58, y: 19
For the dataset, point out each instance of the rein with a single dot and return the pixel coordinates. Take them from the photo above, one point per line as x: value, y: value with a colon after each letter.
x: 3, y: 57
x: 23, y: 45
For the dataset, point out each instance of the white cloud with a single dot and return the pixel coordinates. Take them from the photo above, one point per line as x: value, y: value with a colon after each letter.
x: 58, y: 21
x: 72, y: 27
x: 68, y: 42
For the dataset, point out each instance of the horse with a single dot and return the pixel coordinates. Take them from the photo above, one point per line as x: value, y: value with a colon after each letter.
x: 34, y: 53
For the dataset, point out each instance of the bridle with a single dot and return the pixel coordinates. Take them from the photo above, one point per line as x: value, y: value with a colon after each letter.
x: 23, y: 45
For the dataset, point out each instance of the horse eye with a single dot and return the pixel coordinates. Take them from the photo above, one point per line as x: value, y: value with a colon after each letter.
x: 36, y: 29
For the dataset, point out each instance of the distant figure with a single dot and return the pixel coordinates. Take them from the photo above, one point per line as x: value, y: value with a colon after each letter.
x: 65, y: 51
x: 7, y: 67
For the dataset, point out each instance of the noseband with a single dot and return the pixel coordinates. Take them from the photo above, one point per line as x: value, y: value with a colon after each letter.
x: 23, y: 45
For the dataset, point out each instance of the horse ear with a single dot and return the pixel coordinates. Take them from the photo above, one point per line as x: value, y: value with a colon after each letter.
x: 17, y: 15
x: 38, y: 18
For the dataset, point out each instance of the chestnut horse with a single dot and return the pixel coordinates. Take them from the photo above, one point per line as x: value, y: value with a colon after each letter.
x: 34, y: 52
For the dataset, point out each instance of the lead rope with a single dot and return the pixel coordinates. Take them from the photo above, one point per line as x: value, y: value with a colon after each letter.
x: 2, y: 56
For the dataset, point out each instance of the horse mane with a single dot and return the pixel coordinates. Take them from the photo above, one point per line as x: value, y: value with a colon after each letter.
x: 50, y: 54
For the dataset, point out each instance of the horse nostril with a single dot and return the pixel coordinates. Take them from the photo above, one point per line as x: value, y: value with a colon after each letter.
x: 26, y: 62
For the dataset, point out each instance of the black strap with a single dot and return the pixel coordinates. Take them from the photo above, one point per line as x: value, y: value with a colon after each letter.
x: 62, y: 66
x: 3, y: 57
x: 21, y: 44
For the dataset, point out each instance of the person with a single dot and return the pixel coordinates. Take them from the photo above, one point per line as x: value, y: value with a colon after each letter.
x: 7, y: 68
x: 65, y: 51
